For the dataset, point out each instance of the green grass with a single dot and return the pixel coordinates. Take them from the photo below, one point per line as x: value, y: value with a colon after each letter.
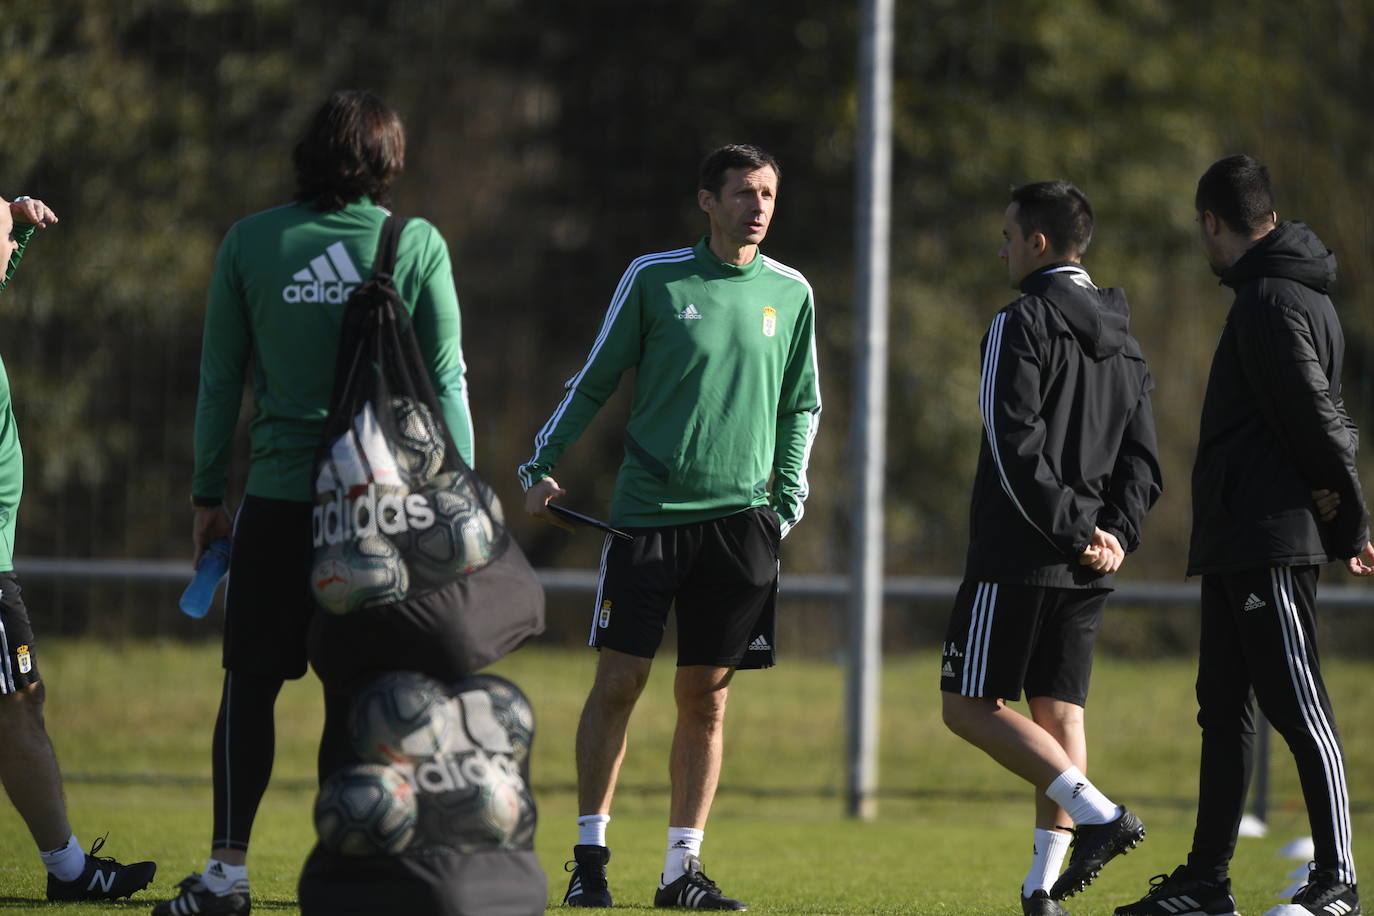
x: 132, y: 729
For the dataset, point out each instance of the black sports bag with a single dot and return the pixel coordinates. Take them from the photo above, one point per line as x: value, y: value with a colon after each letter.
x: 413, y: 567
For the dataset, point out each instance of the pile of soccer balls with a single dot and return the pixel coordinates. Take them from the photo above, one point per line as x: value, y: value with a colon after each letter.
x: 446, y: 769
x: 389, y: 522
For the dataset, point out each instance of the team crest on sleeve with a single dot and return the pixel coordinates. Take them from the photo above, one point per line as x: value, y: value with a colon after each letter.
x: 770, y: 321
x: 25, y: 659
x: 604, y: 619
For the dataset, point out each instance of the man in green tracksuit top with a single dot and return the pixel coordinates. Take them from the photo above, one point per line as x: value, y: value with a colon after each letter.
x: 726, y: 404
x: 28, y: 765
x: 274, y: 312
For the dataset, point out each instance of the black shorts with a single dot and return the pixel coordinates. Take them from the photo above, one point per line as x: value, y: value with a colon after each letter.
x: 267, y: 599
x: 18, y: 666
x: 721, y: 576
x: 1005, y: 638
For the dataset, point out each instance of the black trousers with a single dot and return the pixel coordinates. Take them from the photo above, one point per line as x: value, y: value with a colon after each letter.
x: 1259, y: 642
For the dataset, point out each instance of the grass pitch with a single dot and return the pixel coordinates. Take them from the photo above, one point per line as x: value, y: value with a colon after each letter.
x: 952, y: 836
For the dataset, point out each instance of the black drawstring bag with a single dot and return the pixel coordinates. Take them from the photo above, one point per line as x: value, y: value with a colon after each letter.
x: 413, y: 571
x: 462, y: 843
x: 413, y: 567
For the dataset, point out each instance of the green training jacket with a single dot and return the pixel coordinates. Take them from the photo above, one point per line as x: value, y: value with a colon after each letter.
x: 726, y: 397
x: 275, y: 307
x: 11, y: 455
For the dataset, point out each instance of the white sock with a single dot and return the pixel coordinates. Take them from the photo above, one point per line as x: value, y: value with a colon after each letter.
x: 65, y: 863
x: 682, y: 841
x: 1081, y: 799
x: 220, y: 878
x: 1047, y: 856
x: 591, y: 829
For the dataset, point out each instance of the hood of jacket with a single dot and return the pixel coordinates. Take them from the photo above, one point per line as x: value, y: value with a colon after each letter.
x: 1099, y: 318
x: 1291, y: 252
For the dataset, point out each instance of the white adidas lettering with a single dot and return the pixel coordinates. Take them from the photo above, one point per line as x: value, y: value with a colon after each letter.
x: 1254, y: 602
x: 759, y: 645
x: 690, y: 313
x: 330, y: 277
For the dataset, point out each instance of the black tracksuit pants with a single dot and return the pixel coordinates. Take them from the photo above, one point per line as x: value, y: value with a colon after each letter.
x: 1259, y: 642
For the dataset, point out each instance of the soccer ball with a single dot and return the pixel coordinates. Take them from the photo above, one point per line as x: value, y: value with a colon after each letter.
x: 474, y: 801
x: 510, y: 708
x: 366, y: 809
x: 463, y: 537
x: 419, y: 446
x: 358, y: 573
x: 501, y: 803
x: 404, y: 718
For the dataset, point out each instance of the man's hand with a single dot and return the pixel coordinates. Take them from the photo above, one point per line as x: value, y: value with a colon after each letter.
x: 537, y: 500
x: 1362, y: 563
x: 1103, y: 553
x: 1327, y: 503
x: 209, y: 525
x: 32, y: 211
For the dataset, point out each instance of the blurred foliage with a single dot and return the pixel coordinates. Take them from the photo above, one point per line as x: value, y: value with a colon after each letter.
x: 552, y: 142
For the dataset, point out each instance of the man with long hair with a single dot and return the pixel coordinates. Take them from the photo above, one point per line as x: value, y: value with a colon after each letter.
x: 276, y: 304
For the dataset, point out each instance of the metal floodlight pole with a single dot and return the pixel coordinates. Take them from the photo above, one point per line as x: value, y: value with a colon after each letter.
x: 873, y: 188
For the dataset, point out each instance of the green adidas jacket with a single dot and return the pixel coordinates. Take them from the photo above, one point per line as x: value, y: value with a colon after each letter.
x: 726, y: 398
x: 274, y: 310
x: 11, y: 454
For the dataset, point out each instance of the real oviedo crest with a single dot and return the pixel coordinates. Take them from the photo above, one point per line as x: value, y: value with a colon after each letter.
x: 770, y: 321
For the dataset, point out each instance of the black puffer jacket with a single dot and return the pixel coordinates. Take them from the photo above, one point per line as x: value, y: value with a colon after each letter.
x: 1273, y: 425
x: 1068, y: 434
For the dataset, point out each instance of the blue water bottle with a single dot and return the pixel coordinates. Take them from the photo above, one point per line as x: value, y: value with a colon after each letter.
x: 214, y: 563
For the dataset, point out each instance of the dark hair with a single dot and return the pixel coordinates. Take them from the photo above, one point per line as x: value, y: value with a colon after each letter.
x: 1237, y: 190
x: 354, y: 145
x: 734, y: 156
x: 1060, y: 211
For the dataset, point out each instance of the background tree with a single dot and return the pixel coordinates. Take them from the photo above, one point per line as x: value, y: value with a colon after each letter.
x: 553, y: 142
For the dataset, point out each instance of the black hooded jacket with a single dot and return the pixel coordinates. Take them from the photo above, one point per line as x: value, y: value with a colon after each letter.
x: 1068, y: 434
x: 1274, y: 428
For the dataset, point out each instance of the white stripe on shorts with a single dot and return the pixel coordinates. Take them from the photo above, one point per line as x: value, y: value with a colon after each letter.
x: 979, y: 640
x: 600, y: 584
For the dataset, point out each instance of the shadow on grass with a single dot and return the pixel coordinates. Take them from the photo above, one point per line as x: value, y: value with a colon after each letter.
x: 142, y: 905
x: 28, y: 904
